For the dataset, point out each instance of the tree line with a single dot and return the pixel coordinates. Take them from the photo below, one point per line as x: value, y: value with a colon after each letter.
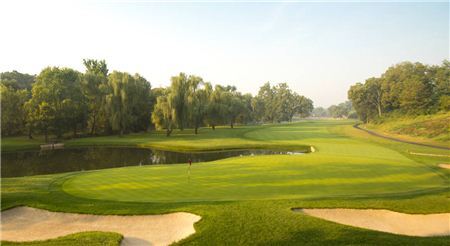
x: 62, y: 100
x: 403, y: 89
x: 341, y: 110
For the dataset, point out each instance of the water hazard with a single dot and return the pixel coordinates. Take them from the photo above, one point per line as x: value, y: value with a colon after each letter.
x: 27, y: 163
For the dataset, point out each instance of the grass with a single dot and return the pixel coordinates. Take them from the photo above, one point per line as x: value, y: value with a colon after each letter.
x: 432, y: 129
x: 248, y: 200
x: 82, y: 238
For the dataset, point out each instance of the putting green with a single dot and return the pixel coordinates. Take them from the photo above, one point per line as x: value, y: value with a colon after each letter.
x: 344, y: 165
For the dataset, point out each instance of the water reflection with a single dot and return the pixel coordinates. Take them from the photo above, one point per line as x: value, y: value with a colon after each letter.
x: 26, y: 163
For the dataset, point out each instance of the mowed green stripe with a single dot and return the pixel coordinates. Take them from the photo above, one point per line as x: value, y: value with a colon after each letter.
x: 342, y: 166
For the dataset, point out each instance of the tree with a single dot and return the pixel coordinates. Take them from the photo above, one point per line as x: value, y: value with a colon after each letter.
x: 407, y: 87
x: 13, y: 114
x: 258, y: 108
x: 279, y: 103
x: 320, y: 112
x: 95, y: 83
x: 266, y: 96
x: 302, y: 105
x: 17, y: 81
x: 374, y: 94
x: 141, y: 103
x: 247, y: 115
x: 440, y: 78
x: 358, y: 96
x: 179, y: 89
x: 199, y: 93
x: 57, y: 93
x: 216, y: 108
x: 117, y: 101
x: 163, y: 115
x: 234, y: 106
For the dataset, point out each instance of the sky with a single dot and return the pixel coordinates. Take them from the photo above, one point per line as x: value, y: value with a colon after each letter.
x: 318, y: 48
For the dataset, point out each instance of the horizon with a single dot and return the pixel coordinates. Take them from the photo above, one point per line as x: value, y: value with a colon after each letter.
x: 240, y: 44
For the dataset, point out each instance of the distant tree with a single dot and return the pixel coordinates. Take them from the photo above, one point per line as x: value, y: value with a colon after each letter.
x: 358, y: 95
x: 58, y: 91
x: 163, y: 115
x: 13, y: 114
x: 258, y: 108
x: 15, y: 91
x: 42, y: 117
x: 302, y: 106
x: 234, y: 105
x: 16, y: 80
x: 279, y: 103
x: 140, y: 103
x: 408, y: 88
x: 199, y: 93
x: 95, y: 87
x: 216, y: 109
x: 179, y: 89
x: 266, y: 95
x: 247, y: 115
x: 440, y: 78
x: 374, y: 93
x: 320, y: 112
x: 117, y: 101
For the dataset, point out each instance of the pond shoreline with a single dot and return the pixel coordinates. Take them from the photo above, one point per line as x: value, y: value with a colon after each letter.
x: 72, y: 159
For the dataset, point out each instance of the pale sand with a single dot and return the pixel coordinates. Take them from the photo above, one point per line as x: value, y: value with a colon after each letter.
x: 387, y: 221
x: 443, y: 165
x: 427, y: 154
x: 29, y: 224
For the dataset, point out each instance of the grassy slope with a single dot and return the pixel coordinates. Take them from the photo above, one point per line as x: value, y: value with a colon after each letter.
x: 82, y: 238
x: 431, y: 129
x: 336, y: 169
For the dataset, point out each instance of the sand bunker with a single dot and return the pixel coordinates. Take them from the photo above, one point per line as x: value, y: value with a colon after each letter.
x: 427, y: 154
x: 387, y: 221
x: 28, y: 224
x: 444, y: 165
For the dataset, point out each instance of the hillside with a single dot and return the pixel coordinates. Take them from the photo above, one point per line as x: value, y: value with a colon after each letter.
x: 433, y: 129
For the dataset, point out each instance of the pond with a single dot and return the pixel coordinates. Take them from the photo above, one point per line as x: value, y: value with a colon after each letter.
x: 27, y: 163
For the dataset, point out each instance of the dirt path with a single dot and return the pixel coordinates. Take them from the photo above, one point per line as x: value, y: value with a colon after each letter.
x: 399, y: 140
x: 387, y: 221
x: 29, y: 224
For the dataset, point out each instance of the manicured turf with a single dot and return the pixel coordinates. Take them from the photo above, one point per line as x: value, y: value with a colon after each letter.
x: 341, y: 167
x: 248, y: 200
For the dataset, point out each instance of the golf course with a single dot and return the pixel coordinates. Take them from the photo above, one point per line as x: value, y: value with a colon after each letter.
x: 249, y: 200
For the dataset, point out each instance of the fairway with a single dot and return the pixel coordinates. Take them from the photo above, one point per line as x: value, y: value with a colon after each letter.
x: 225, y: 123
x: 249, y: 200
x: 344, y: 165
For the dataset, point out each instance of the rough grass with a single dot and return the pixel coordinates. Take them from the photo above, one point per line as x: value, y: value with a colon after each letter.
x: 83, y: 238
x: 248, y: 200
x: 426, y: 128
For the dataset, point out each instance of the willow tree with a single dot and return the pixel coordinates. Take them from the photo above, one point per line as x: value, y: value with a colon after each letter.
x: 198, y: 101
x: 233, y: 105
x: 163, y: 115
x: 216, y: 109
x: 179, y: 89
x: 117, y: 101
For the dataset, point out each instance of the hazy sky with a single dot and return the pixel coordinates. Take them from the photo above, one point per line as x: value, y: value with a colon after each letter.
x: 319, y: 49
